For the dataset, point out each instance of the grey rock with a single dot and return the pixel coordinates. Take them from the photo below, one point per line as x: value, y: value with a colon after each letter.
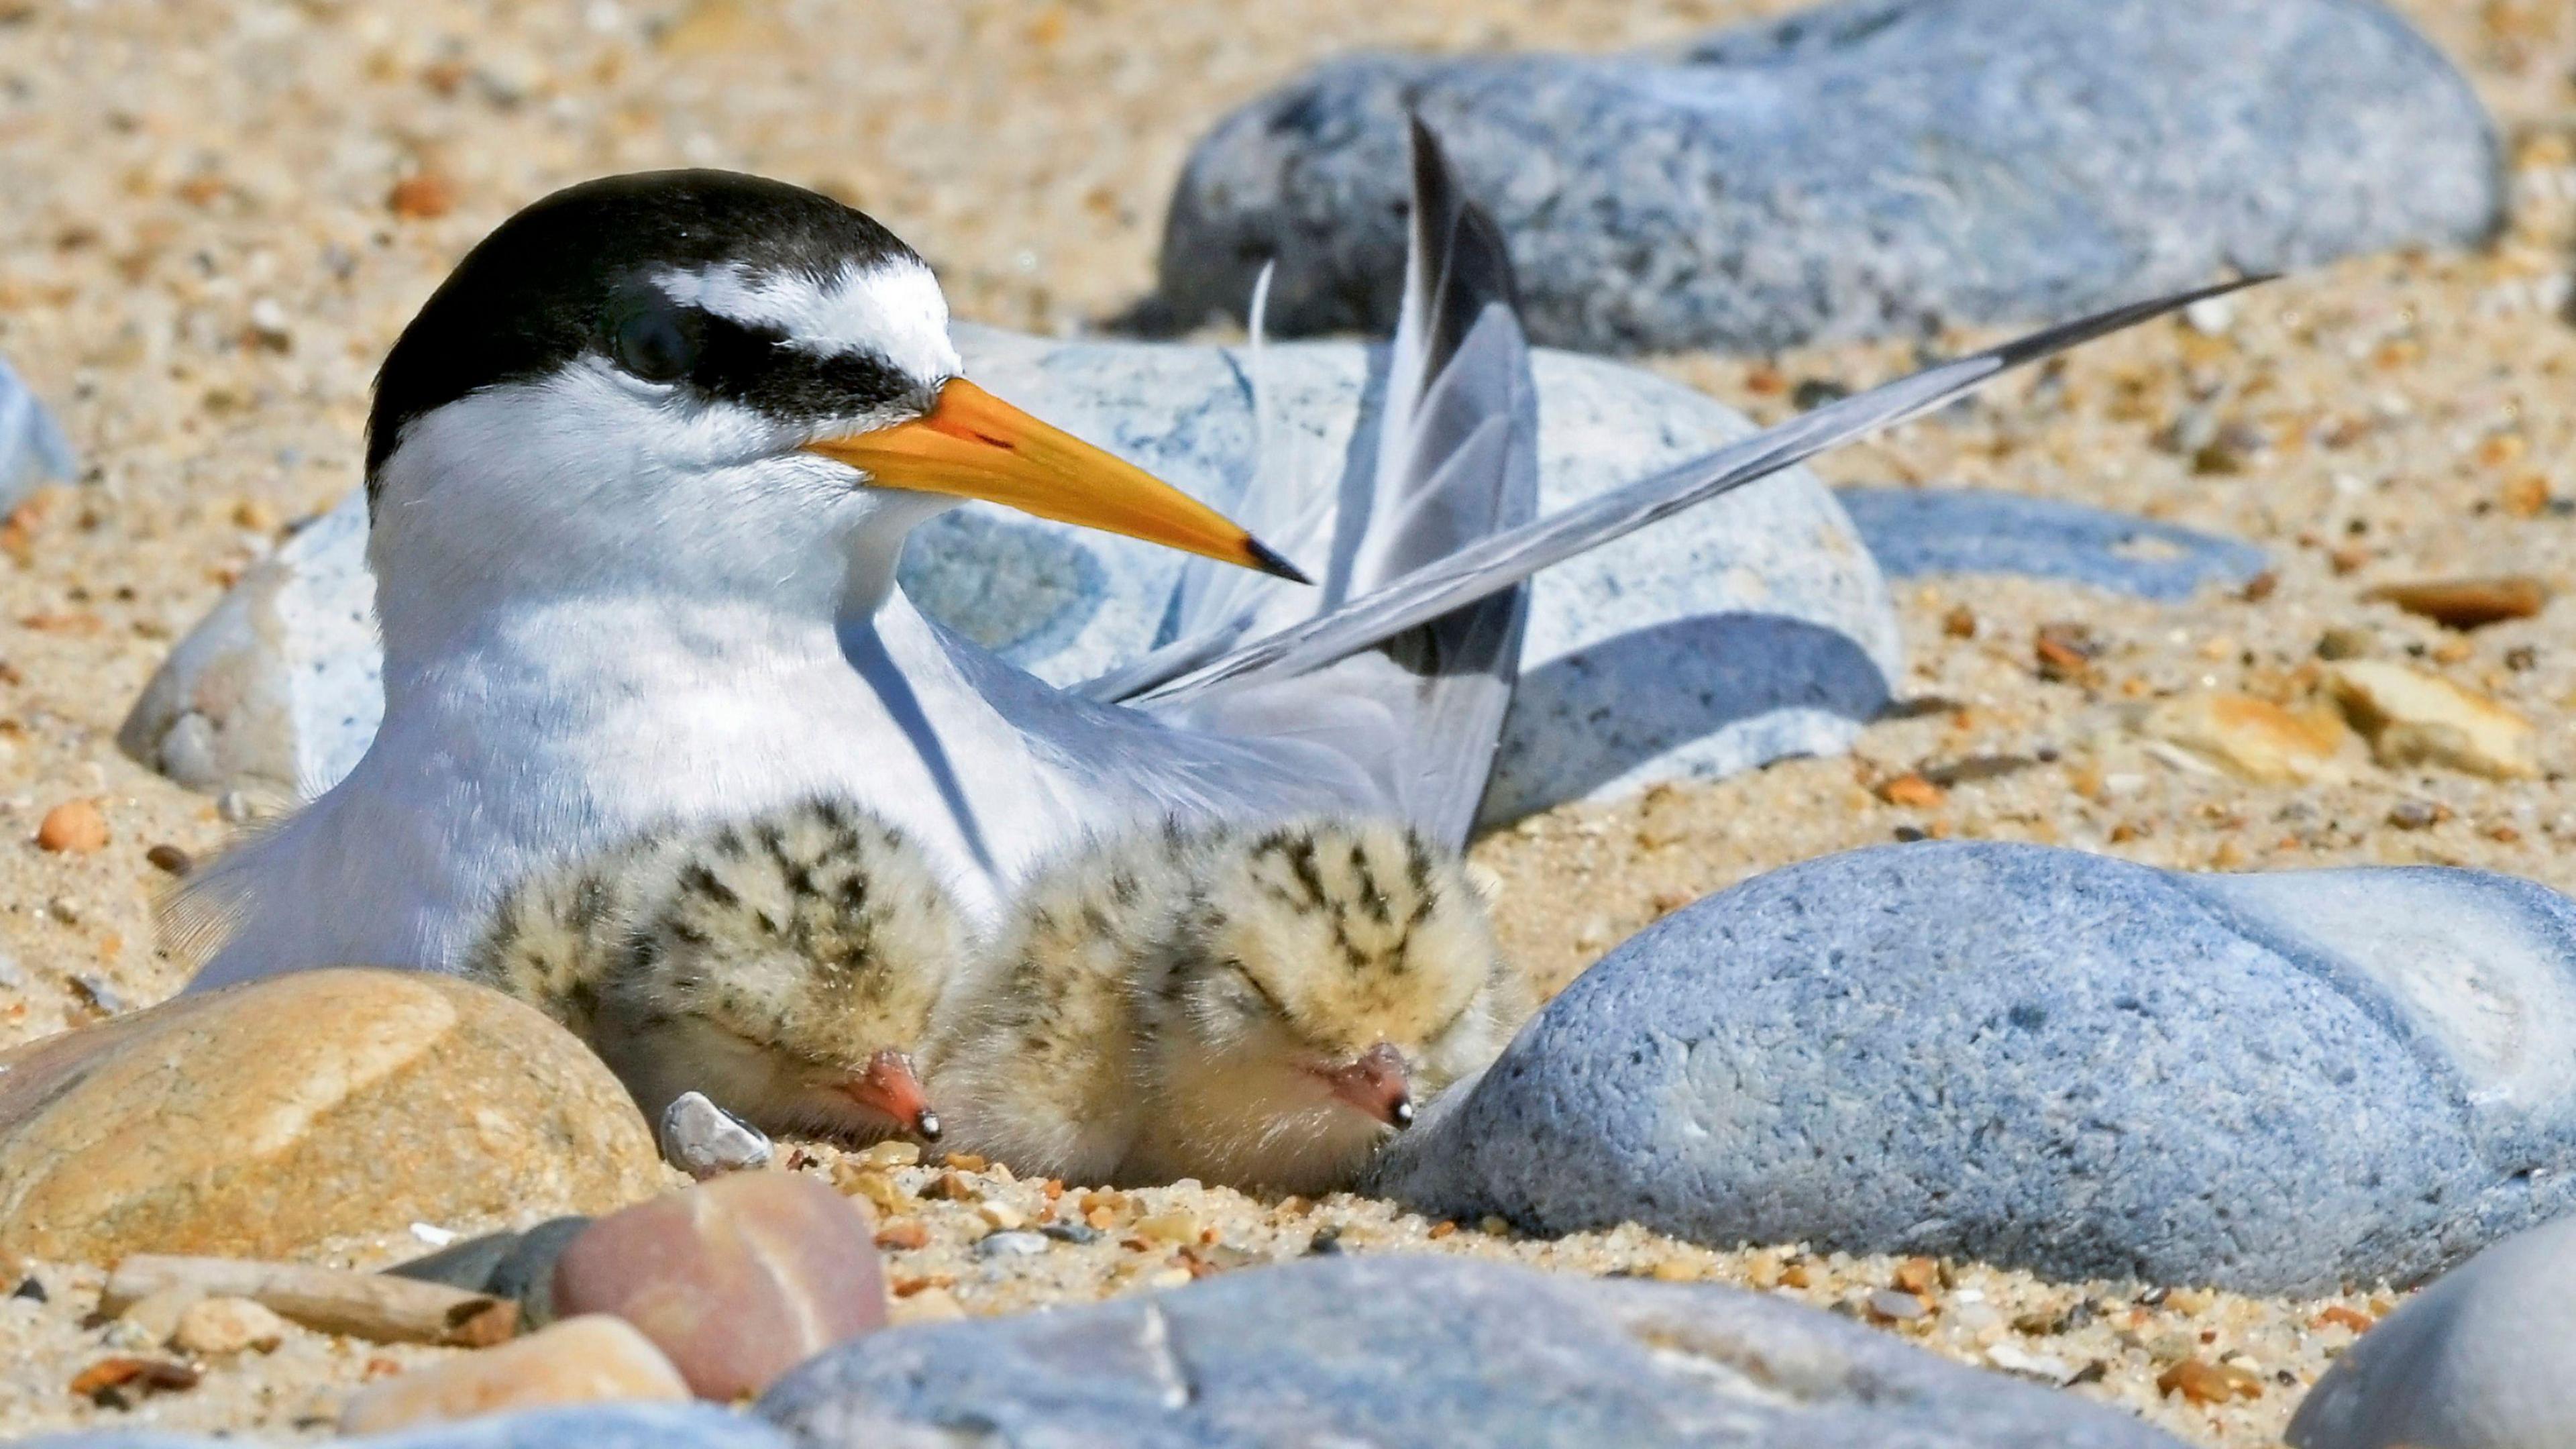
x: 704, y: 1140
x: 1867, y: 167
x: 1010, y: 1245
x: 31, y: 446
x: 2278, y: 1083
x: 281, y: 685
x: 519, y: 1266
x: 1751, y: 628
x: 595, y: 1426
x: 1423, y: 1351
x: 2479, y: 1360
x: 1917, y: 531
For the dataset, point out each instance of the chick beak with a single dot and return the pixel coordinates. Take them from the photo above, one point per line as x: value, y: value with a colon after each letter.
x: 890, y: 1087
x: 972, y: 444
x: 1376, y: 1082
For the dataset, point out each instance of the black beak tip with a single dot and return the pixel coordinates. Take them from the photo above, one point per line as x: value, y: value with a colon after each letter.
x: 1270, y: 561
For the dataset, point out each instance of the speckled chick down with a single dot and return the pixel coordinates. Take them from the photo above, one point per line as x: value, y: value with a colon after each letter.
x: 764, y: 962
x: 1174, y: 1003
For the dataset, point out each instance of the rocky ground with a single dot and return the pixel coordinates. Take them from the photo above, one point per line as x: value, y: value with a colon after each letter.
x: 213, y: 220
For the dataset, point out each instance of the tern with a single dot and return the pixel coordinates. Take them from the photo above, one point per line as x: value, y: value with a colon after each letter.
x: 639, y: 474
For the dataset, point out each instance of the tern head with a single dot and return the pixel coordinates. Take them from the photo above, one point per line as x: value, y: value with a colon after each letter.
x: 1332, y: 975
x: 708, y: 381
x: 788, y: 967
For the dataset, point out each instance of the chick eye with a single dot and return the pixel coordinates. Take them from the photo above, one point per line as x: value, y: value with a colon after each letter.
x: 1250, y: 996
x: 657, y: 344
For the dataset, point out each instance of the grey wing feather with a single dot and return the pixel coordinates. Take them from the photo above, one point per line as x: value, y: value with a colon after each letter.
x: 1456, y: 463
x: 1287, y: 505
x: 1503, y: 560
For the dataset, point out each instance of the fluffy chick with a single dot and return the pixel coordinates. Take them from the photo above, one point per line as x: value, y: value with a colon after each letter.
x: 786, y: 965
x: 1249, y: 1006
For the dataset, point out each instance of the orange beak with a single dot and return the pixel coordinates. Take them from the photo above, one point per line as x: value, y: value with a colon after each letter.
x: 890, y: 1087
x: 972, y: 444
x: 1376, y: 1082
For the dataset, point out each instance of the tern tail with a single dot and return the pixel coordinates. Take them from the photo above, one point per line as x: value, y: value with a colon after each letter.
x: 1418, y: 708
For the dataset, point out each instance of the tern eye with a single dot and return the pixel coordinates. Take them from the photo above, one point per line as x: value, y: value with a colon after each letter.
x: 657, y: 344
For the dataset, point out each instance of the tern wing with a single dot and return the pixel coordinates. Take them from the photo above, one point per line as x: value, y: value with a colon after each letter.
x: 1503, y: 560
x: 1456, y: 461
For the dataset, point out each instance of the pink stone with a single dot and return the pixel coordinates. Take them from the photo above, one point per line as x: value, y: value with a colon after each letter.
x: 736, y: 1280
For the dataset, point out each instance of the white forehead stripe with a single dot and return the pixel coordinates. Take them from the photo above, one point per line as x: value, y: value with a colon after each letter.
x: 893, y: 309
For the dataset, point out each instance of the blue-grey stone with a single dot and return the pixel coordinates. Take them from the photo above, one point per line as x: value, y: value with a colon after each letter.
x: 1866, y: 167
x: 2277, y: 1083
x: 595, y: 1426
x: 1753, y: 627
x: 1395, y: 1352
x: 31, y: 446
x: 2479, y: 1360
x: 1917, y: 531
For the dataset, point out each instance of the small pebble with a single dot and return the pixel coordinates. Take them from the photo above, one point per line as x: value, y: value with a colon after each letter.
x: 422, y: 197
x: 123, y: 1381
x: 1179, y: 1226
x: 2203, y: 1382
x: 170, y: 859
x: 75, y: 827
x: 883, y: 1155
x: 1913, y: 792
x: 1012, y: 1244
x: 704, y: 1140
x: 2012, y: 1358
x: 236, y: 808
x: 1069, y: 1232
x: 1897, y: 1305
x: 933, y: 1305
x: 31, y: 1289
x: 1812, y: 393
x: 2416, y: 815
x: 100, y: 996
x: 215, y: 1327
x: 2467, y: 603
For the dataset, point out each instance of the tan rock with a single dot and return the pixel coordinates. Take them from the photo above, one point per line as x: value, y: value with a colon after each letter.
x: 2252, y: 739
x: 214, y: 1327
x: 2412, y: 718
x: 738, y: 1279
x: 574, y: 1361
x: 260, y: 1120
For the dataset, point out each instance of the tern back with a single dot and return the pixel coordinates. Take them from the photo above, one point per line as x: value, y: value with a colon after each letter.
x: 1456, y: 462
